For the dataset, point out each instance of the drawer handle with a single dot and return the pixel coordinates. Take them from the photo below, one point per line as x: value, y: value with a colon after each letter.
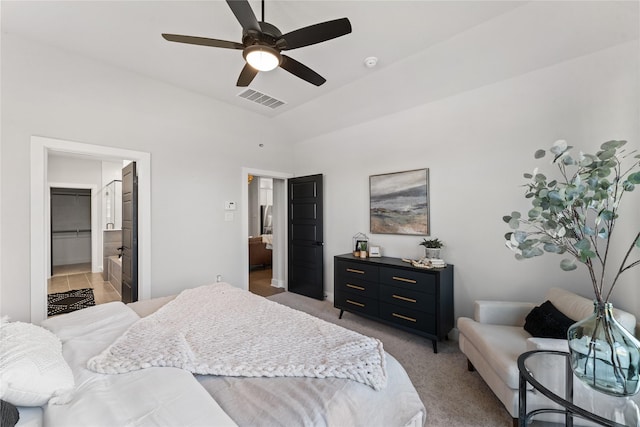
x: 353, y: 270
x: 411, y: 319
x: 360, y: 288
x: 402, y: 279
x: 403, y: 298
x: 355, y: 303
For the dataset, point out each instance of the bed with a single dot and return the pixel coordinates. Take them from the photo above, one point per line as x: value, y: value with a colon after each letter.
x: 151, y: 390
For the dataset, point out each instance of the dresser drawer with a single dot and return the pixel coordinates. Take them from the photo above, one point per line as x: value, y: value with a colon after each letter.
x: 407, y: 298
x: 357, y: 287
x: 414, y: 319
x: 356, y: 271
x: 407, y: 279
x: 356, y: 303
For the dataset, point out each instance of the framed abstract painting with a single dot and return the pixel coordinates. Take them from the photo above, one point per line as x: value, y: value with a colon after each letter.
x: 399, y: 202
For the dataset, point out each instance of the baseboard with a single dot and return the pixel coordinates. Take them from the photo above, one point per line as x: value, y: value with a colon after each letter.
x: 276, y: 283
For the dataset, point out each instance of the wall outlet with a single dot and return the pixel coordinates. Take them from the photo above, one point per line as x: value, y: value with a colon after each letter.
x: 229, y: 206
x: 219, y: 278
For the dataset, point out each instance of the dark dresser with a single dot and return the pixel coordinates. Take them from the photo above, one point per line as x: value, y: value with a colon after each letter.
x: 390, y: 290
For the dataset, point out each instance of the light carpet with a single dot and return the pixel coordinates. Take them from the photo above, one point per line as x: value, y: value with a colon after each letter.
x: 452, y: 395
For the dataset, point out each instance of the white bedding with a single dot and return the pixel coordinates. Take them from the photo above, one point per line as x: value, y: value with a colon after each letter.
x: 173, y: 397
x: 151, y: 397
x: 219, y: 329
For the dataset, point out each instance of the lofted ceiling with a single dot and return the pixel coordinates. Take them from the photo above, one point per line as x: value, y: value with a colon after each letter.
x: 426, y: 50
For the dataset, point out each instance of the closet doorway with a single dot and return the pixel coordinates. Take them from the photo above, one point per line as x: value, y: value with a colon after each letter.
x: 70, y: 230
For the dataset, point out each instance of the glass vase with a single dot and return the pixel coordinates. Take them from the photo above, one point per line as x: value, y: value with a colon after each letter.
x: 604, y: 355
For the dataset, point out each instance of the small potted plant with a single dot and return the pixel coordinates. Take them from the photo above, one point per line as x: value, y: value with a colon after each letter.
x: 432, y: 247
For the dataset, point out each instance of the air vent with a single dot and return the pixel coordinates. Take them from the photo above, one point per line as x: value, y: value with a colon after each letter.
x: 261, y: 98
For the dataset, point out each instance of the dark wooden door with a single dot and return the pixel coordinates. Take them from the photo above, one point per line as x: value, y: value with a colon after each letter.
x: 129, y: 233
x: 306, y: 265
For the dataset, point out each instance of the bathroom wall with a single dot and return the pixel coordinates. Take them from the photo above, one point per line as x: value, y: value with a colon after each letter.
x: 111, y: 171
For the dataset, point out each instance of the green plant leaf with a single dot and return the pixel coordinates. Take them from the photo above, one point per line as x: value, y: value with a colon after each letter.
x: 506, y: 218
x: 583, y: 245
x: 532, y: 252
x: 551, y: 247
x: 585, y: 255
x: 535, y: 212
x: 634, y: 178
x: 607, y: 154
x: 606, y: 215
x: 612, y: 145
x: 519, y: 237
x: 516, y: 215
x: 559, y: 147
x: 527, y: 175
x: 603, y: 233
x: 539, y: 154
x: 568, y: 265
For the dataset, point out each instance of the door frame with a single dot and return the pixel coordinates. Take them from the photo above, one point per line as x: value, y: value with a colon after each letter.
x: 40, y: 149
x: 94, y: 221
x: 244, y: 220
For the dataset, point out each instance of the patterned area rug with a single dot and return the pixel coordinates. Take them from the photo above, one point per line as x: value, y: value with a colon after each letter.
x: 66, y: 302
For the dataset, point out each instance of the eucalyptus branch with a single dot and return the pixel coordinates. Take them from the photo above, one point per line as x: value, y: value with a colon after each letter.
x: 622, y: 268
x: 562, y: 218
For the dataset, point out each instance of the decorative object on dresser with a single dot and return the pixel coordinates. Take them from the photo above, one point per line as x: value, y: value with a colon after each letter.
x: 391, y: 291
x: 432, y: 247
x: 399, y: 202
x: 360, y: 241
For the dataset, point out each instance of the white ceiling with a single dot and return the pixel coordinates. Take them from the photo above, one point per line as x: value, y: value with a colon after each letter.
x: 427, y: 49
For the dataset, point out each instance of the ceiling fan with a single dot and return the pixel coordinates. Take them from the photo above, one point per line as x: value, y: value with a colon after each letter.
x: 262, y: 43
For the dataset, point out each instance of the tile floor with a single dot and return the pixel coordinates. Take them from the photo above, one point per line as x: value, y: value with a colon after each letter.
x: 79, y: 276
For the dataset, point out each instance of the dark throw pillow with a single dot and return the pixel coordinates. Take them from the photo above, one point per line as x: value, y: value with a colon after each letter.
x: 546, y: 321
x: 9, y: 415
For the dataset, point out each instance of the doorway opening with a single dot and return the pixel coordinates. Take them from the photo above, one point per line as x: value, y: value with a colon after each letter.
x: 260, y: 244
x: 264, y: 231
x: 41, y: 149
x: 70, y: 230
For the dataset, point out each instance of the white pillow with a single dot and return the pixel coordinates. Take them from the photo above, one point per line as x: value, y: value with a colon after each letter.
x: 32, y: 369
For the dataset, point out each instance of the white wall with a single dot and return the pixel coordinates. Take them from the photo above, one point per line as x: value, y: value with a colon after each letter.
x: 198, y: 148
x: 477, y: 145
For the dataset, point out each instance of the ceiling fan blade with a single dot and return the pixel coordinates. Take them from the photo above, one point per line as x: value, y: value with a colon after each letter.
x: 246, y: 75
x: 244, y: 14
x: 317, y: 33
x: 301, y: 70
x: 202, y: 41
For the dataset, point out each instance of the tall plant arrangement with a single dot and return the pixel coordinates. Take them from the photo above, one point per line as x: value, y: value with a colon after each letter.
x: 576, y: 214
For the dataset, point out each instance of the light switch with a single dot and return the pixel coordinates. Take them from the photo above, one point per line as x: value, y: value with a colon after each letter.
x: 229, y: 206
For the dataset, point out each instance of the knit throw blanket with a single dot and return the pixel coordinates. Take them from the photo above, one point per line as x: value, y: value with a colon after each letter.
x: 222, y: 330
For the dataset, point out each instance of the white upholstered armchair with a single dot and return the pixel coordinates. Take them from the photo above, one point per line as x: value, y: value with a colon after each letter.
x: 495, y: 337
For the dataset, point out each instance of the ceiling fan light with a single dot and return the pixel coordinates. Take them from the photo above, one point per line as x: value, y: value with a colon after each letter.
x: 262, y: 58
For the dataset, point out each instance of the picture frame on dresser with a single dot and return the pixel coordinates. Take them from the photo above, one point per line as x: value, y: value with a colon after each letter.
x: 399, y: 203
